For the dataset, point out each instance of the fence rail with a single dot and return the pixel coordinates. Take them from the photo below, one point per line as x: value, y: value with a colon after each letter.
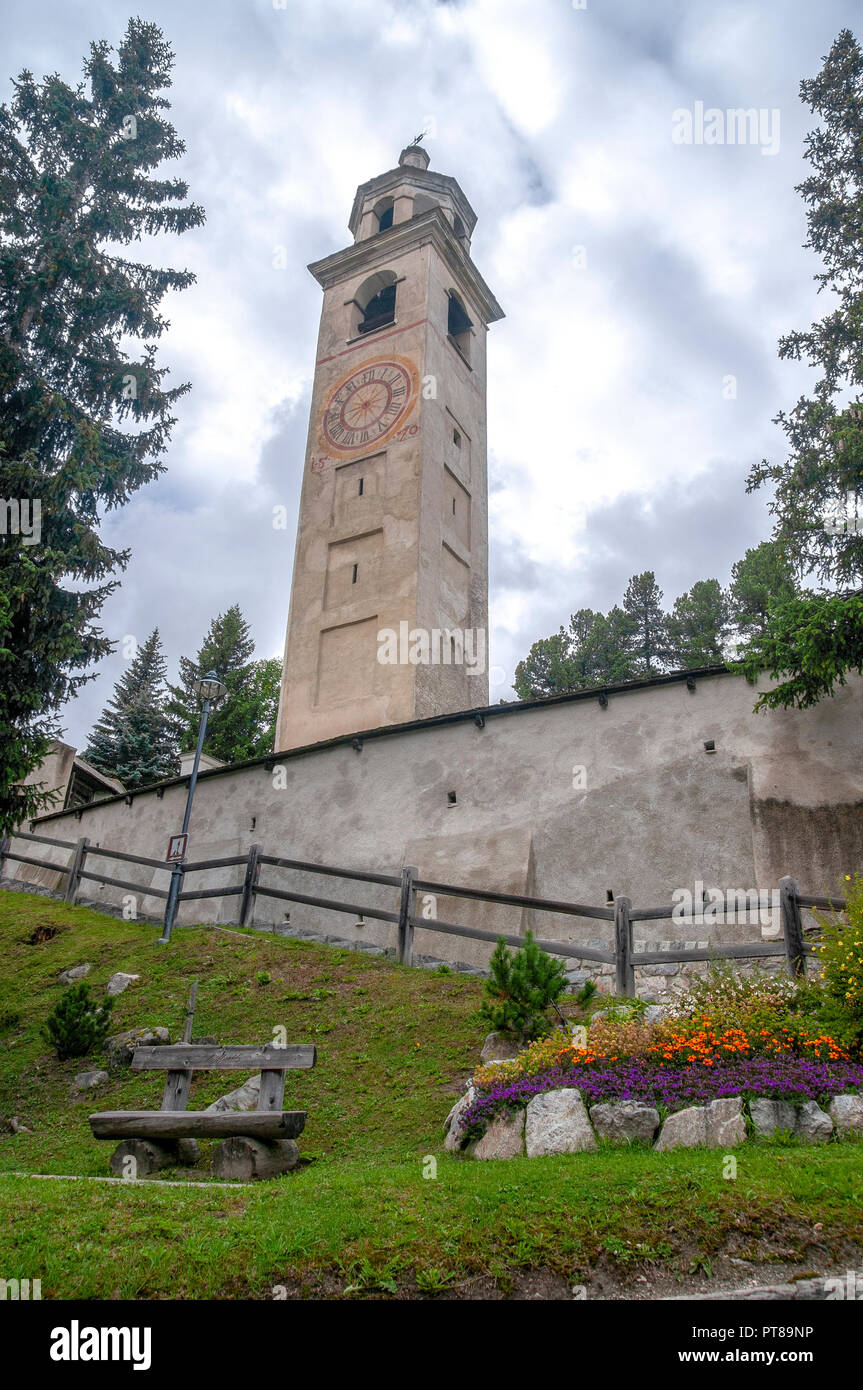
x: 622, y: 955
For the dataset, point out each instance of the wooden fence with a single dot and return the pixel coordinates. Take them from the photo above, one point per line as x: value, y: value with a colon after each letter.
x: 626, y: 960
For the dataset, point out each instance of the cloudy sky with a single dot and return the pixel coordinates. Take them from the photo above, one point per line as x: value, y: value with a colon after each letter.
x: 645, y: 281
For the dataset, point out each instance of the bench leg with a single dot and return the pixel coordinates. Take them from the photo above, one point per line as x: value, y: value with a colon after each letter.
x: 135, y: 1158
x: 241, y: 1159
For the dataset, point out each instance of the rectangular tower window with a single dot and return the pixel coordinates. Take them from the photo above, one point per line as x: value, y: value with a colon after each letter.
x: 356, y: 572
x: 360, y: 488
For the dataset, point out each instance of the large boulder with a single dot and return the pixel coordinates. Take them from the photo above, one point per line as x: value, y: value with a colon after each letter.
x: 119, y: 982
x: 717, y: 1125
x: 556, y: 1123
x: 725, y: 1123
x: 624, y: 1121
x: 121, y: 1047
x: 814, y: 1125
x: 68, y: 977
x: 455, y: 1136
x: 86, y: 1080
x: 768, y: 1116
x: 244, y: 1097
x: 499, y: 1047
x: 685, y: 1129
x: 655, y: 1013
x: 846, y: 1112
x: 504, y: 1138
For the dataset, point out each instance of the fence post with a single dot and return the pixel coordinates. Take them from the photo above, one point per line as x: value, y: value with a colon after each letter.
x: 624, y: 971
x: 253, y: 868
x: 407, y: 906
x: 73, y: 882
x: 792, y: 927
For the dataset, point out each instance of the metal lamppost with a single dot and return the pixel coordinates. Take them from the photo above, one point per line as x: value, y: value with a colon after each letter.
x: 210, y: 689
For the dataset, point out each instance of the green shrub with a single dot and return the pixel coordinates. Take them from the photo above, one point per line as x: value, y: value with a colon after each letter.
x: 838, y: 992
x: 523, y: 985
x: 586, y: 993
x: 77, y: 1023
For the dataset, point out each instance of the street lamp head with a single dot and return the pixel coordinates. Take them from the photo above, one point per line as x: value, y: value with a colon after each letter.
x: 209, y: 687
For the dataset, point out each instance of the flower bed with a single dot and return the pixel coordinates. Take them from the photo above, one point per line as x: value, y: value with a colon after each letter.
x: 672, y: 1088
x: 670, y: 1066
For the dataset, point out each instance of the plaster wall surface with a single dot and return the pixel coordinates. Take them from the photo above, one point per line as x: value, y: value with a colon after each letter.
x: 651, y: 813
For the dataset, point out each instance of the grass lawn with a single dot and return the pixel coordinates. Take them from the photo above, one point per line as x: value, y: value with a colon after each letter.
x: 364, y: 1211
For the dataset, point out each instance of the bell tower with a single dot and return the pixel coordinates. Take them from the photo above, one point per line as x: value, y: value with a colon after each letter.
x: 388, y: 616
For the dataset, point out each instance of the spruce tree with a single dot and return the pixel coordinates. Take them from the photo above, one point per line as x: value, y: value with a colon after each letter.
x: 698, y: 625
x: 760, y: 583
x: 649, y: 644
x: 548, y: 669
x: 134, y: 739
x: 813, y: 639
x: 85, y: 411
x: 242, y: 725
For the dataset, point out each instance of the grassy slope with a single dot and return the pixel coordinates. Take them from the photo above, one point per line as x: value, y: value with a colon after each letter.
x: 394, y: 1046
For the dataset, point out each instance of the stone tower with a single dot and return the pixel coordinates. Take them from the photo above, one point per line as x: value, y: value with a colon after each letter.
x: 388, y: 618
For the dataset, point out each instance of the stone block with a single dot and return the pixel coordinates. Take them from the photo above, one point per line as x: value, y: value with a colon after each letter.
x: 119, y: 982
x: 813, y: 1125
x: 123, y: 1045
x: 685, y: 1129
x: 69, y: 977
x: 499, y: 1047
x: 556, y: 1123
x: 244, y: 1097
x: 86, y: 1080
x: 455, y: 1137
x: 768, y: 1116
x: 846, y: 1112
x: 725, y: 1123
x: 624, y: 1121
x: 504, y: 1138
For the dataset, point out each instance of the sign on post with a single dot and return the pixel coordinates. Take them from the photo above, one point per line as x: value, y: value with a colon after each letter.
x: 176, y: 849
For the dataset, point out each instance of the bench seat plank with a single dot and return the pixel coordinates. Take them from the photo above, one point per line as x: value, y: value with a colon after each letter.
x: 197, y: 1124
x: 203, y: 1057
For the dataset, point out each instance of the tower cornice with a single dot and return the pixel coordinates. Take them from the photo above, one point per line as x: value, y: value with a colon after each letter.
x: 378, y: 250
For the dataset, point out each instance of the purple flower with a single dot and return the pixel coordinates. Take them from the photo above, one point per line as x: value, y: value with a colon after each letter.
x: 780, y: 1078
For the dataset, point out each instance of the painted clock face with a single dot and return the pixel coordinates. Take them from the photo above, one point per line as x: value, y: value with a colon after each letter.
x: 368, y: 406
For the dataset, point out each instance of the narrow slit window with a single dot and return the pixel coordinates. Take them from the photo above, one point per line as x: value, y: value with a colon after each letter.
x: 456, y: 439
x: 356, y: 572
x: 453, y: 506
x: 360, y: 490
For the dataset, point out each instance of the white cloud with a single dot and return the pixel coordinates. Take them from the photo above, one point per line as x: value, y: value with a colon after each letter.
x: 610, y: 436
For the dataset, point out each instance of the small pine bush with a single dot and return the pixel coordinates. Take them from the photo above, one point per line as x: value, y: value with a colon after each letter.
x: 77, y: 1024
x: 523, y: 985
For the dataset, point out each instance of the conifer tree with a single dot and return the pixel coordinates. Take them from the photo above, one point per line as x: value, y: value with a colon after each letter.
x: 762, y: 581
x: 649, y: 644
x: 813, y: 639
x: 134, y: 739
x: 85, y: 411
x: 522, y: 987
x: 242, y: 725
x: 698, y: 625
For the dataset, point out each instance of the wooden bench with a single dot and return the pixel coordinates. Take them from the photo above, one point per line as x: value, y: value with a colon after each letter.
x: 257, y: 1143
